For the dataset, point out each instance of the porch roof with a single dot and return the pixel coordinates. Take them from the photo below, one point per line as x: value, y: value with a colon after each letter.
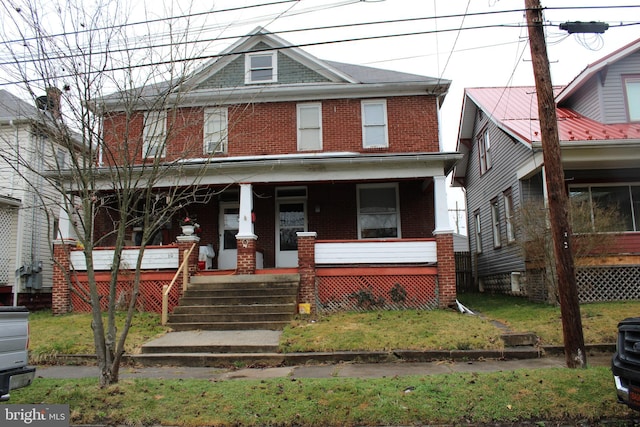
x: 340, y: 166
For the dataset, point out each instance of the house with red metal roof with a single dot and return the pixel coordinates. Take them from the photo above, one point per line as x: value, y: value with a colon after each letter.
x: 503, y: 174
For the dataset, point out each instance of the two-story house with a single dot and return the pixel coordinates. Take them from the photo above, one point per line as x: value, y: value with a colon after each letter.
x: 26, y: 229
x: 503, y: 174
x: 344, y: 157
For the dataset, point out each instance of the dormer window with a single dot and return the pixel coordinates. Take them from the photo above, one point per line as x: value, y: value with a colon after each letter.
x: 261, y: 67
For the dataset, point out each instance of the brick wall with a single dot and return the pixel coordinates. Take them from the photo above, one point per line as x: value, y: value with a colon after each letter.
x: 271, y: 128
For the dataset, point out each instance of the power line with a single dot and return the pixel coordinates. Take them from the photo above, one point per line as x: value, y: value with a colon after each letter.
x: 319, y: 43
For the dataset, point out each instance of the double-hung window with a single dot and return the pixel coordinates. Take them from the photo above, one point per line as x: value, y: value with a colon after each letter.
x: 478, y: 231
x: 215, y: 130
x: 484, y: 146
x: 509, y: 216
x: 261, y: 67
x: 495, y: 223
x: 632, y: 95
x: 154, y: 134
x: 309, y: 126
x: 378, y: 213
x: 374, y: 124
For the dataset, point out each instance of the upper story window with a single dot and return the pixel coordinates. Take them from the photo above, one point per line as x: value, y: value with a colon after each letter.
x: 374, y: 124
x: 309, y: 127
x: 378, y: 212
x: 154, y: 134
x: 484, y: 147
x: 215, y: 130
x: 261, y: 67
x: 632, y: 95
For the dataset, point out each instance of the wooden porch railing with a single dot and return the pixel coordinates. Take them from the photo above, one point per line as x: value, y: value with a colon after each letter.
x: 184, y: 268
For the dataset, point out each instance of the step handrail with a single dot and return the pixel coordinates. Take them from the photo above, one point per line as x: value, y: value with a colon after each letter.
x: 184, y: 268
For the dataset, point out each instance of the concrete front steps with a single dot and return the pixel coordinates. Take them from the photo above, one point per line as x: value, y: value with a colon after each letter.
x: 248, y: 302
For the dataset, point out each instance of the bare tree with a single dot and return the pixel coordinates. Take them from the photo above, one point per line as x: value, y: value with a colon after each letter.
x: 591, y: 225
x: 106, y: 80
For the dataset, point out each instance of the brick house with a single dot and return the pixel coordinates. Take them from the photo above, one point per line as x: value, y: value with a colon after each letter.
x: 331, y: 170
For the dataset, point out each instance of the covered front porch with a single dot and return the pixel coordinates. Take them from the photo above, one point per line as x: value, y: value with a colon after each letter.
x: 359, y: 234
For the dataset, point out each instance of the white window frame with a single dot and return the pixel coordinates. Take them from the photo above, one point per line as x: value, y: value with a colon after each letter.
x: 509, y: 216
x: 484, y: 148
x: 478, y: 231
x: 368, y: 124
x: 632, y: 97
x: 495, y: 223
x: 249, y: 69
x: 397, y: 208
x: 154, y: 134
x: 215, y: 130
x: 304, y: 128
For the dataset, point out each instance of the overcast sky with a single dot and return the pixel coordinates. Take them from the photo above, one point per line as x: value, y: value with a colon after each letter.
x: 473, y: 43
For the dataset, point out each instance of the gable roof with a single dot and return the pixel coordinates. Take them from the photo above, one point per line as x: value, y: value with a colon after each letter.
x: 15, y: 109
x: 515, y: 111
x: 595, y: 68
x: 339, y: 79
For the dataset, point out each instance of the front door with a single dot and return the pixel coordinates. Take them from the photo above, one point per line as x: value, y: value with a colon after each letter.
x: 290, y: 218
x: 229, y: 223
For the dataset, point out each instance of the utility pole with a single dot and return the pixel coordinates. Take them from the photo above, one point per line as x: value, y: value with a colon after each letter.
x: 574, y: 350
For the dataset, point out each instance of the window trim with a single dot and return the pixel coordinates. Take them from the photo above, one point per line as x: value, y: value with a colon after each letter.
x: 478, y: 231
x: 299, y: 108
x: 365, y: 125
x: 630, y: 78
x: 150, y: 141
x: 509, y: 217
x: 223, y: 133
x: 248, y: 69
x: 484, y: 151
x: 495, y: 223
x: 395, y: 187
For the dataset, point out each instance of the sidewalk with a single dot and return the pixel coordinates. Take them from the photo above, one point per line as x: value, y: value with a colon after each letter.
x: 338, y: 370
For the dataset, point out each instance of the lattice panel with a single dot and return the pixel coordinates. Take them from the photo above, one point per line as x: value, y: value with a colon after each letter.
x: 6, y: 230
x: 608, y: 283
x: 149, y: 299
x: 359, y: 293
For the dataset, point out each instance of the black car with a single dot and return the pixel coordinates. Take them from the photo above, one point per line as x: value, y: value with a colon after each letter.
x: 625, y: 363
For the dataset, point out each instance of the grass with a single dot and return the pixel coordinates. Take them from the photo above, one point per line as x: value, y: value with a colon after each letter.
x: 547, y: 394
x: 367, y: 331
x: 542, y: 395
x: 389, y: 330
x: 51, y: 336
x: 599, y: 320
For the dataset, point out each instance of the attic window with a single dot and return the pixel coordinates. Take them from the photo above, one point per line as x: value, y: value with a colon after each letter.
x: 632, y: 94
x: 261, y: 67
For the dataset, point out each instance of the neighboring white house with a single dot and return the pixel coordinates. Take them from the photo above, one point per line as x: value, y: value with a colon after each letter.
x: 26, y: 263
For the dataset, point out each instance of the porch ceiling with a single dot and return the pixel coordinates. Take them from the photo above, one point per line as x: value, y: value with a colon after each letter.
x: 315, y: 167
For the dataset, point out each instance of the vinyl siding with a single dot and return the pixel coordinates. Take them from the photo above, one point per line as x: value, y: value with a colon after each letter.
x: 603, y: 98
x: 507, y: 155
x: 587, y: 100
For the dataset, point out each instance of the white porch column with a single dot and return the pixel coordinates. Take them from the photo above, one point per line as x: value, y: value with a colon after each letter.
x: 245, y: 227
x: 65, y: 228
x: 441, y: 206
